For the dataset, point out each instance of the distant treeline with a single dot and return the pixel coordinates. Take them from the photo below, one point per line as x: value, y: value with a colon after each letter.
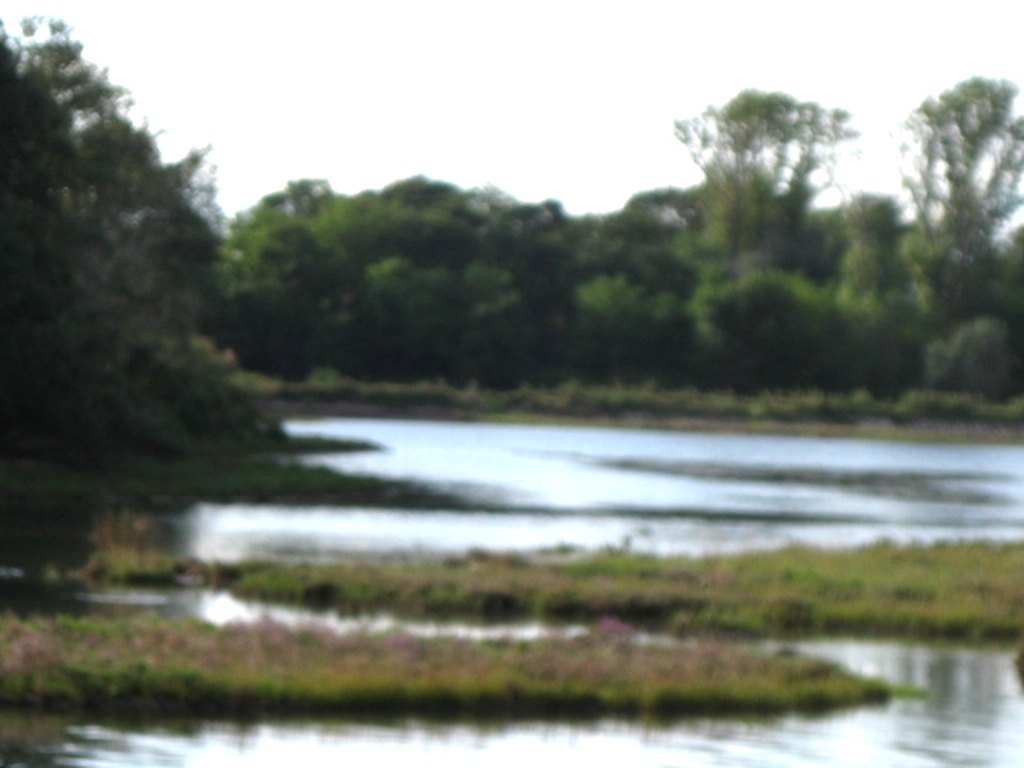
x: 739, y: 283
x: 124, y: 301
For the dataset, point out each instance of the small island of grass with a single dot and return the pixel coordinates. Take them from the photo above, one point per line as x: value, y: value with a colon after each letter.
x: 952, y: 591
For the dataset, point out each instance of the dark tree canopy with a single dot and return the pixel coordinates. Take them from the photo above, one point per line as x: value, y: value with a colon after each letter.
x: 107, y: 259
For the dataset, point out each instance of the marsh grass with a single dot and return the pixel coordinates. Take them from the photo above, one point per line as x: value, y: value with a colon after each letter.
x: 124, y: 531
x: 266, y: 667
x: 949, y: 591
x: 964, y: 592
x: 126, y: 547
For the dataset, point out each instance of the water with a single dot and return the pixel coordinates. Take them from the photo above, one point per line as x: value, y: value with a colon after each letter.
x: 545, y: 486
x: 665, y: 492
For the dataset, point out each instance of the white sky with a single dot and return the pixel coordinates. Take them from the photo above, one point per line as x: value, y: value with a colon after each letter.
x: 556, y: 99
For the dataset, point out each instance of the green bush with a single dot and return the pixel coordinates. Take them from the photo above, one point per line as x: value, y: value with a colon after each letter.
x: 974, y: 359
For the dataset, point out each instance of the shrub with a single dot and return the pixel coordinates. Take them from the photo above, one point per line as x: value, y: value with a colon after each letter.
x: 975, y: 359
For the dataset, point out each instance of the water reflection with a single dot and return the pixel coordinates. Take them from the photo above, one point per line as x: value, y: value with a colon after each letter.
x: 35, y: 535
x: 935, y: 486
x: 220, y: 608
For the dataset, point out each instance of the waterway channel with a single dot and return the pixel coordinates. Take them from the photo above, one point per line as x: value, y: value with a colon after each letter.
x: 539, y: 486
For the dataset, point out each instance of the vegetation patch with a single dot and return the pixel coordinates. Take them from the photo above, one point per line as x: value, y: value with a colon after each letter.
x: 254, y: 470
x: 64, y: 663
x: 965, y: 592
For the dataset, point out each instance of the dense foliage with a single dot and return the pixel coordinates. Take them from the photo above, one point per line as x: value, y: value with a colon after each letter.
x: 107, y: 259
x: 740, y: 283
x: 113, y: 262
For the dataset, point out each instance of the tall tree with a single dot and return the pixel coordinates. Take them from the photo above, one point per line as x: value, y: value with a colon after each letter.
x: 765, y: 156
x: 964, y: 158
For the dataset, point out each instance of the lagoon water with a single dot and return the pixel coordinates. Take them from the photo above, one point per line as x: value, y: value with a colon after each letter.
x: 531, y: 487
x: 666, y: 492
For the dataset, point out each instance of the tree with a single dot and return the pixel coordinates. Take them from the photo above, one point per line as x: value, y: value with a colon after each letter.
x: 414, y: 320
x: 304, y: 198
x: 103, y: 252
x: 872, y: 266
x: 975, y: 359
x: 37, y: 324
x: 964, y: 160
x: 534, y: 243
x: 772, y: 330
x: 620, y: 332
x: 640, y: 242
x: 765, y: 156
x: 493, y: 348
x: 146, y: 231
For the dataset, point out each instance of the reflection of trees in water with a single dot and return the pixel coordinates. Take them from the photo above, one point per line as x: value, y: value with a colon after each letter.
x: 39, y: 539
x: 970, y: 711
x: 40, y: 534
x: 31, y: 740
x: 967, y: 692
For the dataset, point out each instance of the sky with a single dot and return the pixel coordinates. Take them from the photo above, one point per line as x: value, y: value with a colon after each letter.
x: 565, y: 100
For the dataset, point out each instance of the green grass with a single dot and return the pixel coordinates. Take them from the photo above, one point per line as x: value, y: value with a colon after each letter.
x: 964, y: 592
x: 64, y: 663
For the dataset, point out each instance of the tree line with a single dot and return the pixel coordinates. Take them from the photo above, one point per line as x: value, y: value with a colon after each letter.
x: 740, y: 282
x: 122, y: 285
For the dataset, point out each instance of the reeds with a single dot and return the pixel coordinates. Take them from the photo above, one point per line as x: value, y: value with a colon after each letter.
x: 267, y: 667
x: 125, y: 548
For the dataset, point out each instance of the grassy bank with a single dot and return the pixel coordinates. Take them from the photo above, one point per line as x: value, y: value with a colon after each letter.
x: 255, y: 470
x: 266, y: 668
x: 918, y: 415
x: 964, y: 592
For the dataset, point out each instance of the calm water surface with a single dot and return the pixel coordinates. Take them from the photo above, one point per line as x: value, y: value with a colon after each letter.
x: 666, y: 492
x: 529, y: 487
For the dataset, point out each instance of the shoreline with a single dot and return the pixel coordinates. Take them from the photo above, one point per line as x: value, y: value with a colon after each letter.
x: 922, y: 430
